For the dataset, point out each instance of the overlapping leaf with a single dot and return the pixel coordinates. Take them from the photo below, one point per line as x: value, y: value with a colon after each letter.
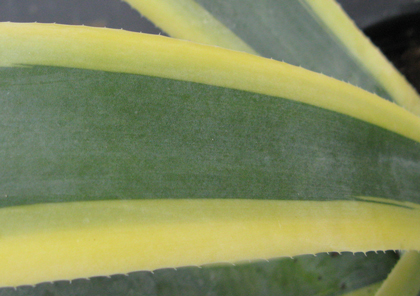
x: 147, y: 125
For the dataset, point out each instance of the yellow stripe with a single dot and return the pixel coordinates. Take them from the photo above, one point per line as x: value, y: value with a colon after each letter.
x: 128, y: 52
x: 50, y: 242
x: 186, y: 19
x: 404, y: 278
x: 370, y: 57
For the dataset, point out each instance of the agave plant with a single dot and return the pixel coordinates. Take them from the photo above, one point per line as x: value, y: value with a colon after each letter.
x: 159, y: 166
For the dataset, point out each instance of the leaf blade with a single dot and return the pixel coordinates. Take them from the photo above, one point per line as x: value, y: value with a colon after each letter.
x: 215, y: 66
x: 114, y: 119
x: 327, y: 41
x: 188, y: 20
x: 85, y: 239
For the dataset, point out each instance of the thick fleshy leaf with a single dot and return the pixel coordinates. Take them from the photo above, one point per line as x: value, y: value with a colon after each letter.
x: 147, y: 117
x: 404, y: 278
x: 302, y: 275
x: 316, y: 35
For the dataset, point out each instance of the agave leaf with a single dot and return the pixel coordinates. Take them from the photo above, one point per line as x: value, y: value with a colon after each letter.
x: 316, y: 35
x: 303, y: 275
x: 365, y: 291
x: 190, y: 21
x: 404, y: 278
x: 85, y: 239
x: 147, y: 117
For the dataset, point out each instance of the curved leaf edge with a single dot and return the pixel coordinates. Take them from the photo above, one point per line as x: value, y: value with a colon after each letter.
x: 404, y: 278
x: 370, y: 57
x: 122, y: 51
x: 192, y: 21
x: 49, y: 242
x: 198, y: 25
